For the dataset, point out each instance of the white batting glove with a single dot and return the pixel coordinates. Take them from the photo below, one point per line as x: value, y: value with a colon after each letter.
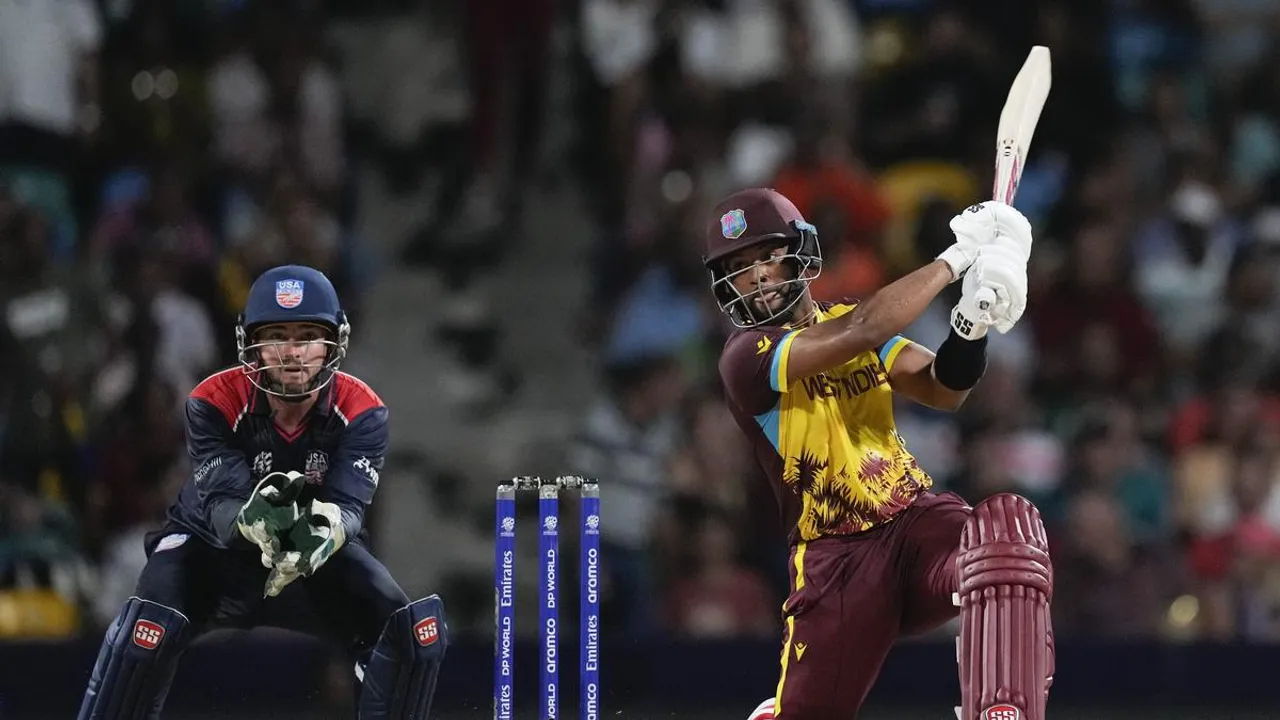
x: 967, y: 319
x: 960, y: 255
x: 984, y: 222
x: 978, y: 226
x: 994, y: 292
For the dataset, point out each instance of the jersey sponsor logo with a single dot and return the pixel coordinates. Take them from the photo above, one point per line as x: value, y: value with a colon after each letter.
x: 147, y: 635
x: 289, y: 293
x: 427, y: 631
x: 368, y: 468
x: 1002, y: 712
x: 169, y: 542
x: 733, y: 224
x: 317, y: 466
x: 203, y: 471
x: 262, y: 465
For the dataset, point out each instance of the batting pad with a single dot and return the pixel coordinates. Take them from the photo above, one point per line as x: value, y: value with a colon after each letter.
x: 400, y: 679
x: 1005, y: 583
x: 136, y: 663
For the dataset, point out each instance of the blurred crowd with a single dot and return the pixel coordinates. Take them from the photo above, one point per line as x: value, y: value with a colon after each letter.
x: 155, y: 155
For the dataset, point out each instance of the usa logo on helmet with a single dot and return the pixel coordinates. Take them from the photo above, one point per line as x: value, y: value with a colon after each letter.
x: 733, y: 224
x: 288, y: 293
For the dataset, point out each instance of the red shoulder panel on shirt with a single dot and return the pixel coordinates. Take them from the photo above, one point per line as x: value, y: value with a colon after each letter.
x: 354, y: 397
x: 229, y: 391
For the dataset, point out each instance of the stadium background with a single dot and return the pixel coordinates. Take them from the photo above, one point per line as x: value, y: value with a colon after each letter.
x: 510, y: 195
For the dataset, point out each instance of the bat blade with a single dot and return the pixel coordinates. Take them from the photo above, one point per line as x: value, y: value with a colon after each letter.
x: 1018, y: 121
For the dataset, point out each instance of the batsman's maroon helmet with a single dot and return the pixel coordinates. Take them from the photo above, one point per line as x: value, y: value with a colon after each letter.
x: 751, y: 217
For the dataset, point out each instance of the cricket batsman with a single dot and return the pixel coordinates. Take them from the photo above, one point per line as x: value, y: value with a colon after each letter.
x: 268, y: 531
x: 874, y: 554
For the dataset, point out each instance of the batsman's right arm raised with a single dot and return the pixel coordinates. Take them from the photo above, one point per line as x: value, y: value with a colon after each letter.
x: 875, y: 321
x: 872, y: 323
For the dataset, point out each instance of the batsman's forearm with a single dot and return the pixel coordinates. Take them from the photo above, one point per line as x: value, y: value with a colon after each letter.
x: 897, y: 304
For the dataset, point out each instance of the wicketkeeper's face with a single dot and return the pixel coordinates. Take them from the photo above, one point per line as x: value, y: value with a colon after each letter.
x: 292, y: 354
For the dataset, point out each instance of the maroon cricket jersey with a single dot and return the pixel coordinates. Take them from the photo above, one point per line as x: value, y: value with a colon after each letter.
x: 828, y: 443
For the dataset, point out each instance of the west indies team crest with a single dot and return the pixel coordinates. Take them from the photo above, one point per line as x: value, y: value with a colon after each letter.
x: 733, y: 224
x: 288, y: 293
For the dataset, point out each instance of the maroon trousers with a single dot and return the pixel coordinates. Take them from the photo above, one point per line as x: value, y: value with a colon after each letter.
x: 852, y: 597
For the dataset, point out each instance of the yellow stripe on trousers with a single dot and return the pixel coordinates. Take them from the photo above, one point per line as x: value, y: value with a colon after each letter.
x: 791, y: 630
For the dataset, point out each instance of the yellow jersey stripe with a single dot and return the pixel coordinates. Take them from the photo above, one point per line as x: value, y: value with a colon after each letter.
x: 778, y: 369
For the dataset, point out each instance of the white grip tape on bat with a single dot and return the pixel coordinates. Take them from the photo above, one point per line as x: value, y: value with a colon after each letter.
x: 985, y: 300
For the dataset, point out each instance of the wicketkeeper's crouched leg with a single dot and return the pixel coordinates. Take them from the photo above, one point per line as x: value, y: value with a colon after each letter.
x: 399, y: 679
x: 1005, y: 584
x: 136, y: 663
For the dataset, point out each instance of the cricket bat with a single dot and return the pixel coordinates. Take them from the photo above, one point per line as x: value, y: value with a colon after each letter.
x: 1018, y: 121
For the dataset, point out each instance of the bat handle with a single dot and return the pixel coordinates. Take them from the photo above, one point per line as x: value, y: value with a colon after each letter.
x: 985, y: 299
x: 1008, y: 176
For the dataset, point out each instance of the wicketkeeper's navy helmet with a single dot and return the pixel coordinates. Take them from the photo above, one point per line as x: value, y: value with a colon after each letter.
x: 291, y: 294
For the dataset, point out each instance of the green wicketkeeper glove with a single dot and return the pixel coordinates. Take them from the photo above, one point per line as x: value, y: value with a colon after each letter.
x: 314, y: 539
x: 271, y: 511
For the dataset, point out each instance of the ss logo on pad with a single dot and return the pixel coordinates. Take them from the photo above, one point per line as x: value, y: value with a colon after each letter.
x: 1002, y: 712
x: 427, y: 631
x: 147, y: 635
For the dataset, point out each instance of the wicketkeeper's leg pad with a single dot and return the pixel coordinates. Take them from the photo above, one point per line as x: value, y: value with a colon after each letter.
x: 400, y: 677
x: 1005, y: 584
x: 136, y: 663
